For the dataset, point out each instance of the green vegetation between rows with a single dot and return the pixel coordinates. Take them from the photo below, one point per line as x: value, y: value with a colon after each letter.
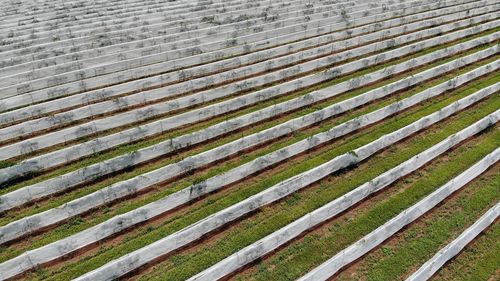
x: 425, y: 238
x: 145, y: 235
x: 415, y: 245
x: 478, y: 261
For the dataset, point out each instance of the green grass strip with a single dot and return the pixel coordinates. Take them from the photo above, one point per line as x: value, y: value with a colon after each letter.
x: 415, y: 245
x: 478, y: 261
x: 303, y: 255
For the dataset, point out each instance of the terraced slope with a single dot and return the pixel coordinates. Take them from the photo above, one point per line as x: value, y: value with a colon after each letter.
x: 262, y: 140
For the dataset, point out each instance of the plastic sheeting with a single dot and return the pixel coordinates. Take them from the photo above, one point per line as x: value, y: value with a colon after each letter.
x: 150, y: 39
x: 149, y: 111
x: 384, y: 20
x: 185, y: 48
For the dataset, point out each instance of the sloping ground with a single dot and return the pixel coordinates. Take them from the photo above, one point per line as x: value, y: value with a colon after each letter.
x: 262, y: 140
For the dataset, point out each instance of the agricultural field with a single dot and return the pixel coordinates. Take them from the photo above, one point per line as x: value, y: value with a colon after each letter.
x: 249, y: 140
